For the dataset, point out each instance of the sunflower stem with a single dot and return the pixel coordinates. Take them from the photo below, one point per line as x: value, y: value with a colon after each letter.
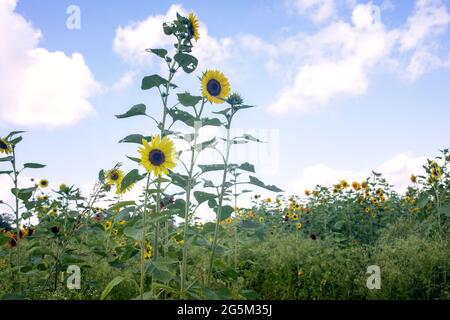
x: 16, y: 211
x: 219, y: 209
x: 143, y: 240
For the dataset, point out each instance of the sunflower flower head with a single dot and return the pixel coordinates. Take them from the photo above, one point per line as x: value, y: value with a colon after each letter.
x: 435, y: 171
x: 114, y: 177
x: 298, y: 226
x: 107, y: 225
x: 193, y: 26
x: 148, y: 251
x: 43, y: 183
x: 158, y: 156
x: 215, y: 86
x: 413, y: 178
x: 5, y: 146
x: 344, y: 184
x: 235, y: 99
x: 356, y: 186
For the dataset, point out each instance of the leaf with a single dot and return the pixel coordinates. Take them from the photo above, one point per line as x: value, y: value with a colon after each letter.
x: 114, y: 282
x: 6, y: 172
x: 137, y: 110
x: 159, y: 52
x: 131, y: 177
x: 122, y: 204
x: 211, y: 167
x: 214, y: 122
x: 225, y: 212
x: 255, y: 181
x: 34, y: 165
x: 101, y: 176
x: 179, y: 179
x: 134, y: 159
x: 187, y: 100
x: 183, y: 116
x: 186, y: 61
x: 135, y: 138
x: 248, y: 137
x: 154, y: 81
x: 201, y: 196
x: 3, y: 238
x: 207, y: 144
x: 247, y: 167
x: 13, y: 133
x: 6, y: 159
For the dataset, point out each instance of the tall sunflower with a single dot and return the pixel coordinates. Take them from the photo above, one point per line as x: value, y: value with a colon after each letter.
x: 193, y: 26
x: 159, y: 156
x: 215, y: 86
x: 5, y: 147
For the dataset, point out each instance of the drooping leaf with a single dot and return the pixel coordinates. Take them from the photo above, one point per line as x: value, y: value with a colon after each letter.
x: 187, y: 100
x: 225, y: 212
x: 159, y: 52
x: 137, y: 110
x: 131, y: 178
x: 154, y: 81
x: 135, y: 138
x: 122, y: 204
x: 247, y: 167
x: 201, y: 196
x: 186, y: 61
x: 255, y: 181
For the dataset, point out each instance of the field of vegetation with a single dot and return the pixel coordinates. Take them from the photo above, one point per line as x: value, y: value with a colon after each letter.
x: 58, y: 243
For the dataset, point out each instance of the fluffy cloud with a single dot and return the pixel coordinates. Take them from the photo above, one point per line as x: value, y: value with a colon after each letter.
x: 317, y: 10
x: 337, y: 60
x: 396, y: 170
x: 131, y: 41
x: 39, y: 87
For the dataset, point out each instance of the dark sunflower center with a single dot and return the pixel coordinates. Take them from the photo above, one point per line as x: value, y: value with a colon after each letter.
x: 156, y: 157
x: 43, y: 183
x: 3, y: 145
x: 191, y: 28
x: 214, y: 88
x: 114, y: 176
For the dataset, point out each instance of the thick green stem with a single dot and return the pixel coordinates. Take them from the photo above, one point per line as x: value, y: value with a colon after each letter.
x: 16, y: 211
x: 143, y: 239
x: 219, y: 209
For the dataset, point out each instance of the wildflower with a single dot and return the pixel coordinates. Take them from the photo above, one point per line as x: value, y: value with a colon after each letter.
x: 107, y: 225
x: 159, y: 156
x: 356, y: 186
x: 261, y: 219
x: 413, y: 178
x: 295, y: 217
x: 366, y: 210
x: 122, y: 222
x: 43, y: 183
x: 215, y: 86
x: 193, y: 26
x: 229, y: 220
x: 5, y: 147
x: 298, y: 226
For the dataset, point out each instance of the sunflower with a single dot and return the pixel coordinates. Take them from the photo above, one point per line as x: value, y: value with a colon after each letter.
x: 436, y: 171
x: 159, y: 156
x: 193, y: 27
x: 107, y: 225
x: 63, y: 187
x: 215, y: 86
x: 148, y: 251
x: 122, y: 222
x: 364, y: 185
x: 119, y: 189
x: 344, y: 184
x: 5, y: 147
x: 307, y: 193
x: 298, y: 226
x: 380, y: 192
x: 413, y: 178
x: 294, y: 217
x: 356, y: 186
x: 261, y: 219
x: 43, y: 183
x: 229, y: 220
x: 114, y: 177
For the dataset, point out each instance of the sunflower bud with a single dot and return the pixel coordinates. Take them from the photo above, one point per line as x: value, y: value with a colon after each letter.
x: 235, y: 99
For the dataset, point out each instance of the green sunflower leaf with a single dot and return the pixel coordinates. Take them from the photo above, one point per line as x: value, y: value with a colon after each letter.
x: 255, y: 181
x: 247, y: 167
x: 114, y: 282
x: 159, y: 52
x: 134, y: 159
x: 179, y: 179
x: 6, y: 172
x: 137, y: 110
x: 201, y: 196
x: 211, y: 167
x: 225, y: 212
x: 183, y: 116
x: 207, y: 144
x: 15, y: 141
x: 34, y: 165
x: 153, y: 81
x: 6, y: 159
x: 248, y: 137
x: 186, y: 61
x: 131, y: 178
x: 3, y: 239
x: 122, y: 204
x: 187, y: 100
x: 13, y: 133
x: 214, y: 122
x: 135, y: 138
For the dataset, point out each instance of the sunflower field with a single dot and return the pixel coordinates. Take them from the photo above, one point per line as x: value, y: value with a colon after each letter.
x: 63, y: 244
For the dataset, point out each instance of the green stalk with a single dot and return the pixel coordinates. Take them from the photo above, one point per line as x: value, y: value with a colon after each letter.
x: 143, y: 240
x: 219, y: 209
x: 16, y: 211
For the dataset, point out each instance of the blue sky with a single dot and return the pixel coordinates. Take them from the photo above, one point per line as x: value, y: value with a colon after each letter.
x: 344, y: 91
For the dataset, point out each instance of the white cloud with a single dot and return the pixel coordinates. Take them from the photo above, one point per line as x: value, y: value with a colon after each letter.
x: 131, y: 41
x: 337, y: 61
x: 317, y: 10
x: 39, y: 87
x: 124, y: 81
x: 396, y: 170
